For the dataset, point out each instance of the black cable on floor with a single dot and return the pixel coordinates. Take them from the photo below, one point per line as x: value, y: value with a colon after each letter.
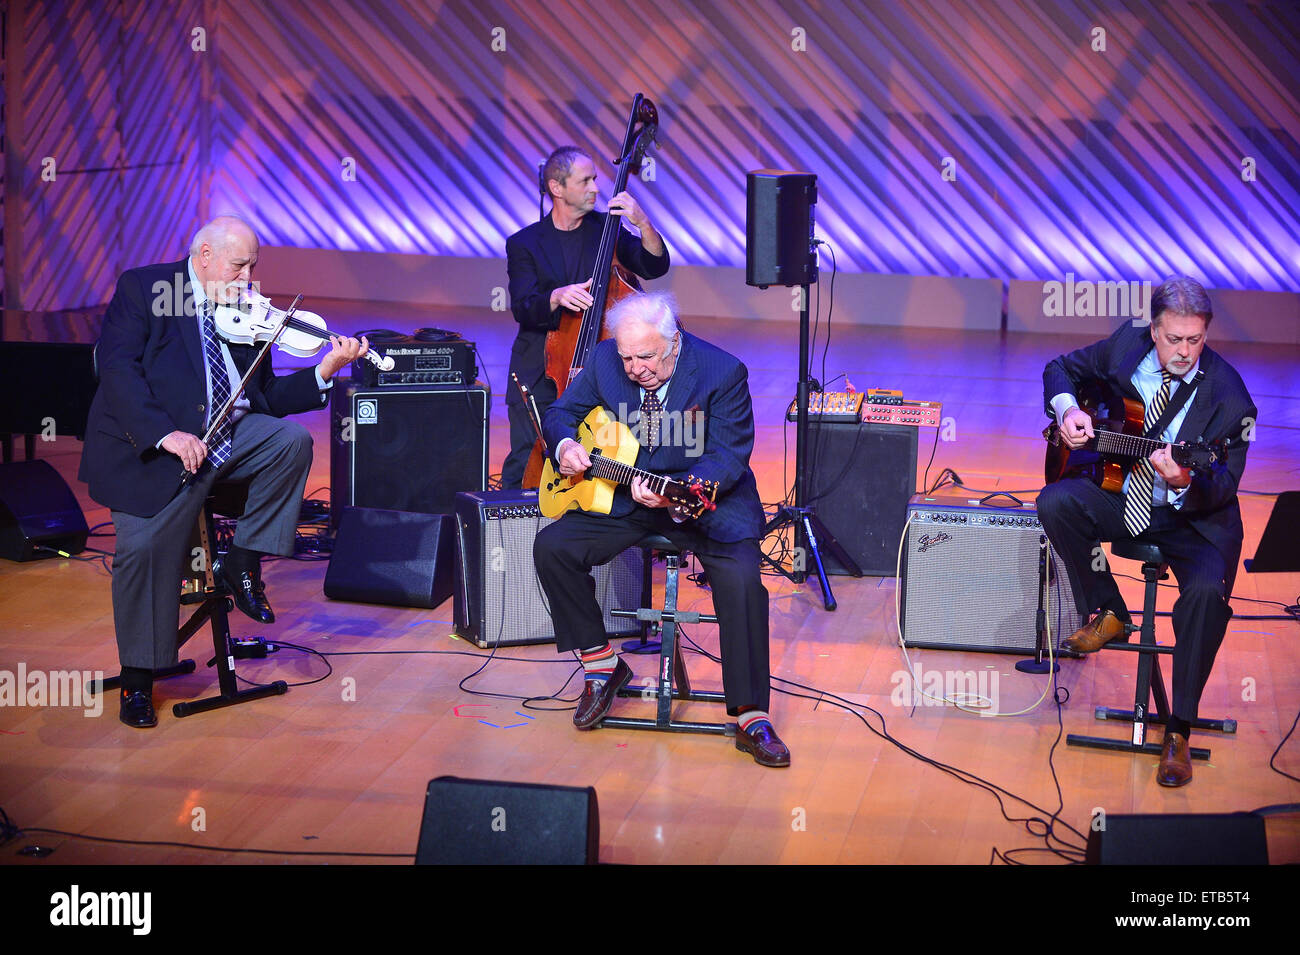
x: 1070, y: 853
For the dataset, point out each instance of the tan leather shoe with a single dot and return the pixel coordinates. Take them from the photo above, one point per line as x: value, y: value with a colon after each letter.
x: 1092, y: 636
x: 1175, y: 767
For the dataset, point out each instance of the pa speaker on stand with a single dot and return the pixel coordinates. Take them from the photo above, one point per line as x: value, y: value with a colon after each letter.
x: 779, y: 224
x: 779, y: 244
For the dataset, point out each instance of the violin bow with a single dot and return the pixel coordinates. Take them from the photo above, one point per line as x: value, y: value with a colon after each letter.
x: 229, y: 406
x: 530, y: 405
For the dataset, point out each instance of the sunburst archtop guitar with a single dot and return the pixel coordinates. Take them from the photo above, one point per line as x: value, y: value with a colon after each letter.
x: 1118, y: 443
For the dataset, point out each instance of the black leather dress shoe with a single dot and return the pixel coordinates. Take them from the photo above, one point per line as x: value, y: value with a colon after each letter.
x: 247, y: 589
x: 137, y: 710
x: 598, y: 696
x: 764, y: 745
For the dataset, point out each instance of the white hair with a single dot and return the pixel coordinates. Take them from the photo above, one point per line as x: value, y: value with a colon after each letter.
x: 656, y: 309
x: 218, y: 233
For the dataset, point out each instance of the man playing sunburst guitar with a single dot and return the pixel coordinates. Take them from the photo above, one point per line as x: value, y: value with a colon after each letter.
x: 1192, y: 515
x: 688, y: 403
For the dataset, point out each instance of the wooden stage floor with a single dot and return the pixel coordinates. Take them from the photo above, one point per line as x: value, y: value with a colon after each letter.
x: 340, y: 765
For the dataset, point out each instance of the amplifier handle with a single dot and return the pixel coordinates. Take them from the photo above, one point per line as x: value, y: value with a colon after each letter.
x: 464, y: 571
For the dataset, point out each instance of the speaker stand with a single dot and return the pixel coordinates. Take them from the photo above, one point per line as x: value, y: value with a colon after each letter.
x: 810, y: 535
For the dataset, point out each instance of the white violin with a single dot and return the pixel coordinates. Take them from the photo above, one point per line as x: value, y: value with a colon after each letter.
x: 255, y: 320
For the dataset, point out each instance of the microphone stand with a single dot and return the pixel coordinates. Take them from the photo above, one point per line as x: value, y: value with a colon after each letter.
x: 1038, y: 664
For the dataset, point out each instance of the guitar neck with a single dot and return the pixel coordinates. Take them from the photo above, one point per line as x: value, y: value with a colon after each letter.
x: 1128, y: 445
x: 611, y: 470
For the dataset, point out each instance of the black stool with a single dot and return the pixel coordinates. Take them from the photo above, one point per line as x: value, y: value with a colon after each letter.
x: 674, y: 682
x: 1150, y: 682
x: 212, y: 602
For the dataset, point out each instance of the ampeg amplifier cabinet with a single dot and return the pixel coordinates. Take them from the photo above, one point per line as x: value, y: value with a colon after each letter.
x: 970, y: 578
x: 860, y: 478
x: 497, y: 599
x: 406, y: 448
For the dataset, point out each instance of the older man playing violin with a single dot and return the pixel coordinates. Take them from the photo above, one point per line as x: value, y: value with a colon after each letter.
x: 164, y: 372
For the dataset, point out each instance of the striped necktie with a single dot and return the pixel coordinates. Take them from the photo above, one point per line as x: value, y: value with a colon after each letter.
x: 1141, y: 482
x: 221, y: 444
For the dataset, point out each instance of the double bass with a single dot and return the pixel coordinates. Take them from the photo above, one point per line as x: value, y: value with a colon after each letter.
x: 569, y: 346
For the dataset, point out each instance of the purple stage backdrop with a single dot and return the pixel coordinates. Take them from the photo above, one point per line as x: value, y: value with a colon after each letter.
x: 997, y: 139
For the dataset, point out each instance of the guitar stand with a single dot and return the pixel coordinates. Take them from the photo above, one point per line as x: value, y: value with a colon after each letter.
x: 214, y: 604
x: 1150, y: 683
x: 674, y: 682
x: 1038, y: 664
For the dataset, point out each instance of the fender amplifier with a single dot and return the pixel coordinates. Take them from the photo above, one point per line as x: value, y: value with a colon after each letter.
x: 970, y: 578
x: 497, y: 599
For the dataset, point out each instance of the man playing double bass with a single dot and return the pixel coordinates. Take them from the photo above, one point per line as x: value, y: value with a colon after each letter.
x: 550, y: 264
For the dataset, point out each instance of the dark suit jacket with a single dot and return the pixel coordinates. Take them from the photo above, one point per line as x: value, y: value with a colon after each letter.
x: 1221, y: 408
x: 707, y: 382
x: 151, y: 383
x: 536, y: 269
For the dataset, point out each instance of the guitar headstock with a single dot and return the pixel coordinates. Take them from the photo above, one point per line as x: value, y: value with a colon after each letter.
x: 693, y: 496
x: 1199, y: 456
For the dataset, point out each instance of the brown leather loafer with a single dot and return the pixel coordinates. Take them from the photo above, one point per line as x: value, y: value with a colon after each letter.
x: 598, y: 696
x: 764, y: 745
x: 1094, y: 635
x: 1175, y: 767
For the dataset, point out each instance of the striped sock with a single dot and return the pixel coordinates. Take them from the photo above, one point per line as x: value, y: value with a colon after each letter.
x: 599, y: 662
x: 749, y: 720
